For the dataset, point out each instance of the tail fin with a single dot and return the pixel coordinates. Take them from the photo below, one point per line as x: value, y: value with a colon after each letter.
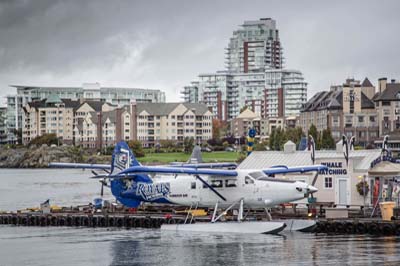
x: 122, y: 159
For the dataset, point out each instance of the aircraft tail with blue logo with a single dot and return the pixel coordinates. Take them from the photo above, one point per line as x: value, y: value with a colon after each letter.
x: 122, y: 159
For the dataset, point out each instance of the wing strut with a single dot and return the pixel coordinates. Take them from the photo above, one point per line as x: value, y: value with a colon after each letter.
x: 210, y: 187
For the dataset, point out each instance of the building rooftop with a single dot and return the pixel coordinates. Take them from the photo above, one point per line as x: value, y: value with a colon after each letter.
x: 366, y: 83
x: 263, y: 159
x: 67, y: 103
x: 391, y: 93
x: 166, y: 108
x: 247, y: 114
x: 333, y: 100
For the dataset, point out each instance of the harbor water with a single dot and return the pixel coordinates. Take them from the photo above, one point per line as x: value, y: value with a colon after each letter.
x: 100, y: 246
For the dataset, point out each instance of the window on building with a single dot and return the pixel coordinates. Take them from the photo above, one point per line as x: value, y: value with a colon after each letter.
x: 328, y: 182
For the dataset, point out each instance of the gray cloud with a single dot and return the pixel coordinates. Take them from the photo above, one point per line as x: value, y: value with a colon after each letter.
x: 166, y: 44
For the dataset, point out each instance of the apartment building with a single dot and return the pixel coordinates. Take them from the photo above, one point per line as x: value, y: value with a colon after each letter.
x: 3, y: 128
x: 346, y: 109
x: 387, y: 102
x: 49, y: 116
x: 254, y: 47
x: 119, y: 96
x: 248, y: 119
x: 170, y: 121
x: 254, y: 77
x: 102, y: 129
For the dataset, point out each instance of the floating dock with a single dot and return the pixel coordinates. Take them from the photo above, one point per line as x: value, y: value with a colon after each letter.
x: 88, y: 220
x: 324, y: 226
x: 358, y: 226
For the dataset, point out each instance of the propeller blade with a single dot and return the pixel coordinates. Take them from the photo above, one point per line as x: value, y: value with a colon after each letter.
x: 315, y: 179
x: 102, y: 189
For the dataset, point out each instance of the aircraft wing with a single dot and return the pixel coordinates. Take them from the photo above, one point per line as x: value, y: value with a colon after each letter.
x: 282, y: 169
x: 81, y: 166
x: 204, y: 165
x: 178, y: 170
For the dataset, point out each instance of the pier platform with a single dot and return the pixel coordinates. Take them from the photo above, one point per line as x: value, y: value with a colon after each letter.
x: 88, y: 220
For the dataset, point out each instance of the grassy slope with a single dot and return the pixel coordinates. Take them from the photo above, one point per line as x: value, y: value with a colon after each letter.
x: 182, y: 157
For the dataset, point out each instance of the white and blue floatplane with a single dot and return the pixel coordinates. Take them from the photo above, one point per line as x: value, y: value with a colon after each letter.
x: 196, y: 186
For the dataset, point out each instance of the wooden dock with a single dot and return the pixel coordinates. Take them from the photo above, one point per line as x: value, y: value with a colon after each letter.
x: 358, y: 226
x: 154, y: 218
x: 88, y: 220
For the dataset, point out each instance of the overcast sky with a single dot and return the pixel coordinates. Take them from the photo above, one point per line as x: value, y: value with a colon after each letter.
x: 166, y: 44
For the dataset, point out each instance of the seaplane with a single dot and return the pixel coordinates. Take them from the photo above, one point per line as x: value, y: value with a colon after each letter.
x: 189, y: 185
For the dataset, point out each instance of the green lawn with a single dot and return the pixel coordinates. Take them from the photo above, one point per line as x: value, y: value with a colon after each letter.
x: 219, y: 156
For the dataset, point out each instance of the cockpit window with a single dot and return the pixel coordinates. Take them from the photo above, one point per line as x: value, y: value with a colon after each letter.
x: 248, y: 180
x: 257, y: 175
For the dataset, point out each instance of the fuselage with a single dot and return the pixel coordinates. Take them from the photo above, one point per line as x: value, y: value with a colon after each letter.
x: 255, y: 188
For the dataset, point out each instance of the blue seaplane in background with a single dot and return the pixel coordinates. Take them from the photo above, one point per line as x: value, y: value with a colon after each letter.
x: 200, y: 185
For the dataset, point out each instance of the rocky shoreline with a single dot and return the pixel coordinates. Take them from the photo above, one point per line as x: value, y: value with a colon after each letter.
x: 40, y: 157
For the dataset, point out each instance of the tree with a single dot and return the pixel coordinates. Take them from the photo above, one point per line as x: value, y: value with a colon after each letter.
x: 294, y: 134
x: 272, y: 139
x: 279, y: 139
x: 136, y: 147
x: 167, y: 144
x: 313, y: 132
x: 326, y: 140
x: 188, y: 144
x: 216, y: 128
x: 260, y: 146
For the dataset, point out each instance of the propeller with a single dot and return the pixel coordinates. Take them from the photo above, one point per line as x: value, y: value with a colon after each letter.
x: 310, y: 194
x: 103, y: 182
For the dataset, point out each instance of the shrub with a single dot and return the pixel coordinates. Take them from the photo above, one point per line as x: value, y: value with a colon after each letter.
x: 48, y: 139
x: 136, y: 147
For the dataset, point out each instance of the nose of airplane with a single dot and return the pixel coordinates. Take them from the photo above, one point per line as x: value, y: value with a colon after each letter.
x: 312, y: 189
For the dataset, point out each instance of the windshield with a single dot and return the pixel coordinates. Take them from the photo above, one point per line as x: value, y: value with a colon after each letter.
x: 263, y: 177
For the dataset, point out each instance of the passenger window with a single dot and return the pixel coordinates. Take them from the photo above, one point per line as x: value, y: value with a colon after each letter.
x: 230, y: 183
x: 216, y: 183
x: 248, y: 180
x: 193, y: 185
